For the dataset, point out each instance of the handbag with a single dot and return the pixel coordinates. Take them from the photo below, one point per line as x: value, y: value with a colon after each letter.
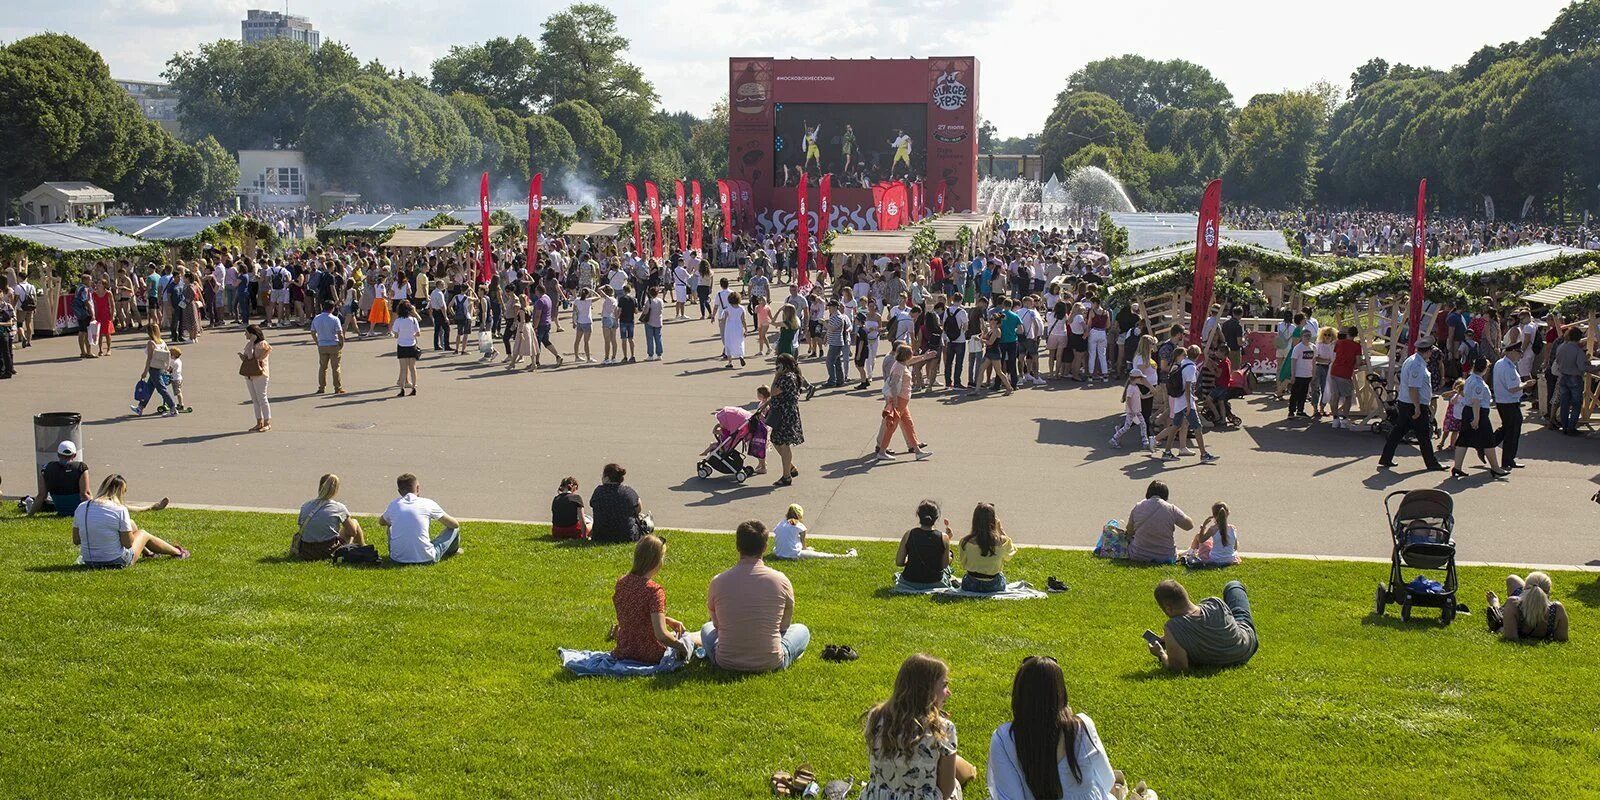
x: 142, y: 391
x: 1113, y: 541
x: 644, y: 525
x: 250, y: 367
x: 357, y: 554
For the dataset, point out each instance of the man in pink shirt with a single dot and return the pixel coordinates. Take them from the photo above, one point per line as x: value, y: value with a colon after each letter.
x: 752, y: 607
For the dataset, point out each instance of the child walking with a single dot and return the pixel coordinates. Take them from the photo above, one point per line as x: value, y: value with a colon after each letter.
x: 1133, y: 396
x: 1452, y: 415
x: 175, y: 375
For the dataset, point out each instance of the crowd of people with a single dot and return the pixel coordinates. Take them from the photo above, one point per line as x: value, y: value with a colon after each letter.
x: 1358, y: 232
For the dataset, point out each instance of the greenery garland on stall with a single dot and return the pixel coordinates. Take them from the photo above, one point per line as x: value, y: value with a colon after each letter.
x: 924, y: 243
x: 1564, y: 268
x: 443, y: 219
x: 1578, y: 305
x: 63, y: 264
x: 1180, y: 278
x: 235, y: 231
x: 1440, y: 284
x: 963, y: 240
x: 825, y: 247
x: 1113, y: 237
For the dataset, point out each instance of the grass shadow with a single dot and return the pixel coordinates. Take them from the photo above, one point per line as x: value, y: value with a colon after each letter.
x: 1428, y: 620
x: 53, y: 568
x: 1587, y: 593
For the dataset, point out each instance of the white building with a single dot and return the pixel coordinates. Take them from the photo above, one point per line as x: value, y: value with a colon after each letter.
x: 59, y: 201
x: 273, y: 177
x: 259, y: 26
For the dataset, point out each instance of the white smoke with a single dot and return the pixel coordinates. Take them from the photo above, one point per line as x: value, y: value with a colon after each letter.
x: 581, y: 190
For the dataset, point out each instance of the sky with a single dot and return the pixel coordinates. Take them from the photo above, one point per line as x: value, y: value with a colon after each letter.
x: 1025, y: 48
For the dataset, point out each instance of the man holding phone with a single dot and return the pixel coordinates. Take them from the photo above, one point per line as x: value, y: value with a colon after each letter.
x: 1216, y: 632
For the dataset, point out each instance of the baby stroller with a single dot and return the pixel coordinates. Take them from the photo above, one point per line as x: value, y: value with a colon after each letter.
x: 1389, y: 400
x: 1422, y: 527
x: 735, y: 435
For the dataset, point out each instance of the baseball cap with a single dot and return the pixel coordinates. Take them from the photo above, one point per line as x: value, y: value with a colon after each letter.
x: 67, y: 449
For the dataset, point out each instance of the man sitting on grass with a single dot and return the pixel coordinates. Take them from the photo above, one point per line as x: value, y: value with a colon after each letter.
x: 408, y: 517
x: 1217, y: 632
x: 752, y: 607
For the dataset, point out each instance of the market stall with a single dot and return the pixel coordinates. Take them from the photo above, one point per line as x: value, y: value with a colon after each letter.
x: 1575, y: 300
x: 53, y: 251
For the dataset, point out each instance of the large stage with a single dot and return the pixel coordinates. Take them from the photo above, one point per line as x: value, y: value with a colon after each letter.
x: 863, y: 122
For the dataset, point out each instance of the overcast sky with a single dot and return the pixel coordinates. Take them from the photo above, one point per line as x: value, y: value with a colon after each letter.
x: 1025, y: 48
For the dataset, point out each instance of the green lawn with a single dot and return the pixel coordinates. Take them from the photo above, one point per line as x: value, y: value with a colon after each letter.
x: 239, y: 674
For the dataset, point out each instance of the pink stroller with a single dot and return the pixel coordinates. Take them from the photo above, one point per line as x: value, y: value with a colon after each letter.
x: 738, y: 433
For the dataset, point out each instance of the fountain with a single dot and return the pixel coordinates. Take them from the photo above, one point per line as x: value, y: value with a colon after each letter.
x: 1093, y: 187
x: 1027, y: 203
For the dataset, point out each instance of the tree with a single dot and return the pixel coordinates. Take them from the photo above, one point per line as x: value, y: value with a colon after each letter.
x: 1374, y: 70
x: 254, y: 96
x: 219, y: 172
x: 504, y: 72
x: 581, y: 59
x: 599, y: 149
x: 1275, y: 139
x: 1085, y: 118
x: 1575, y: 28
x: 708, y: 143
x: 1371, y: 153
x: 550, y: 148
x: 987, y: 134
x: 391, y: 140
x: 1142, y: 86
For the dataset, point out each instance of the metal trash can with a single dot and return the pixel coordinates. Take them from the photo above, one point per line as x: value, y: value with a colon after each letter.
x: 52, y: 428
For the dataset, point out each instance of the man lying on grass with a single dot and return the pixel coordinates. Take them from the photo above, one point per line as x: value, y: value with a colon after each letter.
x: 1217, y: 632
x: 408, y: 517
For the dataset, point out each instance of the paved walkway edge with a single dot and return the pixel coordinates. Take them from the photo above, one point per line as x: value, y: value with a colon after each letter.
x: 1591, y: 568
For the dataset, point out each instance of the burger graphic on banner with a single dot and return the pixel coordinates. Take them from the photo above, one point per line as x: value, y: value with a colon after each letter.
x: 750, y: 98
x: 949, y: 93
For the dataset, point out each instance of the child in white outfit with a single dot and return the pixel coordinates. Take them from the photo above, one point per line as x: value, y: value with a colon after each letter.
x: 1133, y: 415
x: 789, y: 539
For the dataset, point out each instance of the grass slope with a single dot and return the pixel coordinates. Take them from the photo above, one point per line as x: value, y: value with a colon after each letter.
x: 240, y: 674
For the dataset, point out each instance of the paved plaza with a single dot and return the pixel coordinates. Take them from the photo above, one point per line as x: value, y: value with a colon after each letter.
x: 492, y: 444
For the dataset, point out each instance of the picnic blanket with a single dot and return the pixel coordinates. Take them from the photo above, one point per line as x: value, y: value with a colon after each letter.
x: 586, y: 663
x: 1016, y: 590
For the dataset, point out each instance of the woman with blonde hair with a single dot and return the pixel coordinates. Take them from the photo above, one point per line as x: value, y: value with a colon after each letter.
x: 644, y: 632
x: 1321, y: 363
x: 1528, y: 613
x: 106, y: 535
x: 156, y: 360
x: 325, y: 524
x: 911, y: 744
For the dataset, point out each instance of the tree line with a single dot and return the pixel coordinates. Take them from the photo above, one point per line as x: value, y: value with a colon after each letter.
x: 1518, y: 120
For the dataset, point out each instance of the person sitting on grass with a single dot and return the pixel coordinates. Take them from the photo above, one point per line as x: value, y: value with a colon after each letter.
x: 1046, y: 750
x: 65, y: 483
x: 616, y: 508
x: 752, y: 611
x: 911, y: 743
x: 325, y: 524
x: 408, y: 518
x: 789, y: 539
x: 1528, y: 613
x: 106, y: 535
x: 568, y: 520
x: 1153, y: 527
x: 924, y: 554
x: 644, y: 632
x: 1217, y: 632
x: 1217, y: 543
x: 984, y: 552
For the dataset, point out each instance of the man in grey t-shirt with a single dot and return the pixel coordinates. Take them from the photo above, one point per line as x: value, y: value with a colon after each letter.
x: 1216, y: 632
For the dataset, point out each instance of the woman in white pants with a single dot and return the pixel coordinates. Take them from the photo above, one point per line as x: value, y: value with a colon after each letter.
x: 1099, y: 322
x: 253, y: 366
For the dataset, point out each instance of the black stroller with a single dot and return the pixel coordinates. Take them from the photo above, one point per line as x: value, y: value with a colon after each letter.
x: 1422, y: 527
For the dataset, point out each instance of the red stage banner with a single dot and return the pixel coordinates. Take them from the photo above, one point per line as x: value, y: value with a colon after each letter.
x: 1419, y: 265
x: 652, y: 202
x: 1206, y: 234
x: 535, y: 213
x: 880, y: 209
x: 893, y: 207
x: 699, y: 227
x: 725, y: 200
x: 486, y: 267
x: 633, y: 211
x: 677, y: 216
x: 802, y: 232
x: 938, y: 195
x: 824, y: 207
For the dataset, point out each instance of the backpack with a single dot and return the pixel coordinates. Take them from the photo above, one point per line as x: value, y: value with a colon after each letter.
x: 1175, y: 380
x: 460, y: 307
x: 356, y: 554
x: 277, y: 280
x: 952, y: 326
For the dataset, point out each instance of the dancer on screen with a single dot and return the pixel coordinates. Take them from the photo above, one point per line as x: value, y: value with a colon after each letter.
x: 902, y: 152
x: 808, y: 143
x: 847, y: 143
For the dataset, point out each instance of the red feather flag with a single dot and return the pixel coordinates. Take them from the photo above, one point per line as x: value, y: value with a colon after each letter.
x: 1207, y: 233
x: 652, y: 201
x: 698, y: 241
x: 802, y: 232
x: 725, y: 201
x: 633, y: 211
x: 535, y: 209
x: 677, y: 216
x: 1419, y: 264
x: 486, y: 267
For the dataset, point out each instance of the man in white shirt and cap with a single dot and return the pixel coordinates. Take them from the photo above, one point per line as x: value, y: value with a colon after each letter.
x: 1508, y: 386
x: 1414, y: 397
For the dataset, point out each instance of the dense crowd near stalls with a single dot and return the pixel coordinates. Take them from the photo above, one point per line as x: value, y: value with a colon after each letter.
x: 1322, y: 231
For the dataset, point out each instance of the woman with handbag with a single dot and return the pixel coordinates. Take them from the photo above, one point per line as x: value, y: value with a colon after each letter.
x: 253, y: 368
x: 154, y: 375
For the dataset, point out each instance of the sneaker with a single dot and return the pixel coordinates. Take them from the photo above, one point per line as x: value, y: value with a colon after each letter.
x: 1053, y: 585
x: 884, y: 455
x: 1209, y: 458
x: 924, y: 454
x: 851, y: 553
x: 1149, y: 445
x: 1184, y: 451
x: 137, y: 411
x: 1114, y: 443
x: 1166, y: 455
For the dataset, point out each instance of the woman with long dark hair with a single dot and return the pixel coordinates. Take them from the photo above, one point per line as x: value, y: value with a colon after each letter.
x: 406, y: 329
x: 783, y: 415
x: 985, y: 551
x: 253, y: 367
x: 1047, y: 752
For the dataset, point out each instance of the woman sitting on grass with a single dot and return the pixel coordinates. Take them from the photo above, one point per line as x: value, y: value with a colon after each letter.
x: 911, y: 744
x: 1047, y: 751
x: 568, y: 519
x: 1217, y: 543
x: 106, y: 535
x: 924, y: 555
x: 789, y: 539
x: 984, y: 552
x: 644, y: 631
x: 325, y: 524
x: 1528, y: 613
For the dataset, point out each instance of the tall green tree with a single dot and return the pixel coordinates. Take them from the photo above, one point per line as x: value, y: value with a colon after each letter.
x: 389, y: 139
x: 254, y: 96
x: 1081, y: 119
x: 219, y: 171
x: 1143, y: 86
x: 504, y: 72
x: 551, y: 149
x: 599, y: 149
x: 1274, y: 154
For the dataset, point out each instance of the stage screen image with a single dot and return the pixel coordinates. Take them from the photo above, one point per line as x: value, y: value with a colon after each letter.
x: 886, y: 142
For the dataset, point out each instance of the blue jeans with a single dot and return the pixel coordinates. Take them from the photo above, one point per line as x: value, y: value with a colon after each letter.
x: 1234, y: 597
x: 652, y: 341
x: 972, y: 583
x: 793, y: 643
x: 1570, y: 392
x: 159, y: 382
x: 446, y: 544
x: 838, y: 364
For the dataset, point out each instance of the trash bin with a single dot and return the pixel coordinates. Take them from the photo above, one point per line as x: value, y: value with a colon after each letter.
x: 52, y: 428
